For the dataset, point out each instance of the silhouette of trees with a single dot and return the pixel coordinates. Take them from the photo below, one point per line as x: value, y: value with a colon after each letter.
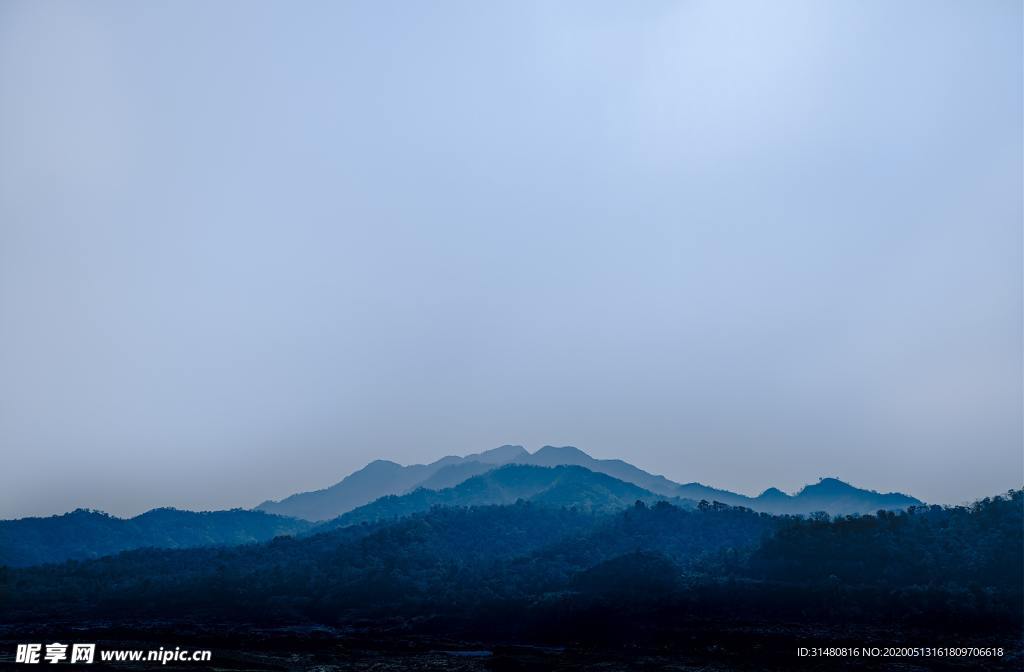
x: 533, y: 568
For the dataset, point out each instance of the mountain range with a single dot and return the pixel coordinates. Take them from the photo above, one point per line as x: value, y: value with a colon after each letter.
x: 382, y: 478
x: 552, y: 477
x: 525, y: 570
x: 563, y: 486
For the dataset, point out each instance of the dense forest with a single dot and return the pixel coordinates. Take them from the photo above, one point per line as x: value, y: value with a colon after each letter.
x: 553, y: 573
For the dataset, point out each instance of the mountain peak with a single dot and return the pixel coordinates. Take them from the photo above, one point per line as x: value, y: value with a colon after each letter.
x: 499, y: 455
x: 560, y: 486
x: 381, y: 464
x: 836, y: 496
x: 828, y: 485
x: 381, y: 478
x: 561, y: 452
x: 551, y: 456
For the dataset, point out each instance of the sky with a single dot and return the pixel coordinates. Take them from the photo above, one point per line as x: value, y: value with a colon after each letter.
x: 247, y: 247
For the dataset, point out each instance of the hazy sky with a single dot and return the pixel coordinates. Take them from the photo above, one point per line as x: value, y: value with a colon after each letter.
x: 247, y: 247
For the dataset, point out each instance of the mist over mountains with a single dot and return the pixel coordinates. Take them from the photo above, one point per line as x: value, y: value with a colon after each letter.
x: 382, y: 478
x: 563, y: 486
x: 383, y: 491
x: 551, y: 547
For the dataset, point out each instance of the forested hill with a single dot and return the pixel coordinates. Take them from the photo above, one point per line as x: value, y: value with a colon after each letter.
x: 536, y: 571
x: 563, y: 486
x: 84, y: 534
x: 462, y: 554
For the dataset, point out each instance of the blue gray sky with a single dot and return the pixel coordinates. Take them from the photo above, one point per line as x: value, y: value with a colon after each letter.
x: 246, y: 247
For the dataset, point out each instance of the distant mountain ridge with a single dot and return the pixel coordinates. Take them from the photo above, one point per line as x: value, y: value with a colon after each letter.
x: 83, y: 534
x: 381, y: 478
x: 550, y: 456
x: 830, y: 495
x: 567, y: 486
x: 551, y: 477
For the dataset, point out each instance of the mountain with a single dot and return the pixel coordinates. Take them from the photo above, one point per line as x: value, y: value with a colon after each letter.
x: 560, y: 486
x: 837, y: 498
x: 453, y: 474
x: 830, y: 495
x: 499, y: 455
x: 699, y: 491
x: 382, y: 478
x: 377, y: 479
x: 550, y: 456
x: 84, y: 534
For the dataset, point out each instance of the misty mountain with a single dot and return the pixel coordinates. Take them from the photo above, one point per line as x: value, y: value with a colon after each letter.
x: 378, y: 479
x: 829, y: 495
x: 382, y: 478
x: 834, y: 497
x: 550, y: 456
x: 566, y: 486
x: 84, y: 534
x: 699, y: 491
x: 453, y: 474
